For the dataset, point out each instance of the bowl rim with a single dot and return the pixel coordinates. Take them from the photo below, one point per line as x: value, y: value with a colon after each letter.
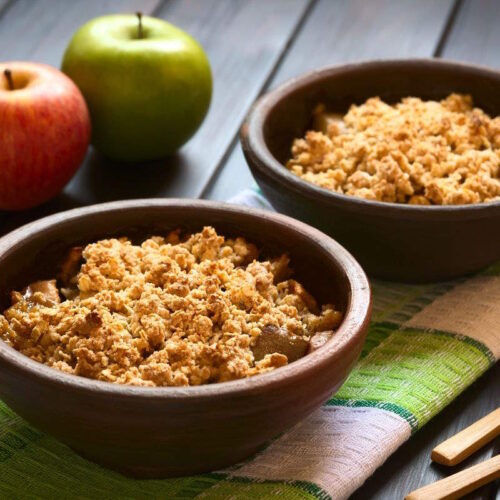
x: 355, y: 322
x: 255, y: 147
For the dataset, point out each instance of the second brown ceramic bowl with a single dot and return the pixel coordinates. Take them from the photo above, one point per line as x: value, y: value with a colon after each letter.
x: 392, y: 241
x: 172, y: 431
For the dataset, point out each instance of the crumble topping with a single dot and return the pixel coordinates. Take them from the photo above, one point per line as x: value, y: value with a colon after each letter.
x: 168, y: 312
x: 417, y: 152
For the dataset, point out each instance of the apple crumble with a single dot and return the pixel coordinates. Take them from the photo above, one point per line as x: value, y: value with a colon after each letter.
x: 171, y: 311
x: 415, y: 151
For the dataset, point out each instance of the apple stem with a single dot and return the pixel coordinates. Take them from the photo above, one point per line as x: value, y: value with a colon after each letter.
x: 8, y: 76
x: 139, y: 28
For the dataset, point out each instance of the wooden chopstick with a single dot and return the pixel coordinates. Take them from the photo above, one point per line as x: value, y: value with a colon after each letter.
x: 466, y: 442
x: 461, y: 483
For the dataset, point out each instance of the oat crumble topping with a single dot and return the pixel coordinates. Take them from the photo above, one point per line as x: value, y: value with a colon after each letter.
x: 168, y: 312
x: 417, y: 152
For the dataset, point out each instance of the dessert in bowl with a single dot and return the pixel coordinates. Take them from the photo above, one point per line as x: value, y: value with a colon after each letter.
x: 134, y: 393
x: 417, y: 152
x: 400, y: 163
x: 174, y: 310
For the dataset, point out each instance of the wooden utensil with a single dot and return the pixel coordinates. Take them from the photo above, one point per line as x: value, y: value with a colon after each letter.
x: 461, y: 483
x: 465, y: 443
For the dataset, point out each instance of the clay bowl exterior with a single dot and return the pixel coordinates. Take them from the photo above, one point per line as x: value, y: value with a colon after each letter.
x: 161, y: 432
x: 391, y: 241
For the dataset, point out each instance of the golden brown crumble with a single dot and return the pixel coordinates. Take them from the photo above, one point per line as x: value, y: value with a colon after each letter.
x: 167, y: 312
x: 417, y: 152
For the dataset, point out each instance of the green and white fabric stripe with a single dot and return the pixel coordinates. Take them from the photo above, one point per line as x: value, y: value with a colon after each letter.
x: 337, y: 448
x: 426, y: 344
x: 415, y: 371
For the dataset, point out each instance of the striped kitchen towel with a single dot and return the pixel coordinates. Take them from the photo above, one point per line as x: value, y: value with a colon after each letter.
x: 426, y: 344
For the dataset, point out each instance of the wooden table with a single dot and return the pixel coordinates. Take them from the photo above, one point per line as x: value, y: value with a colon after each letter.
x: 254, y: 45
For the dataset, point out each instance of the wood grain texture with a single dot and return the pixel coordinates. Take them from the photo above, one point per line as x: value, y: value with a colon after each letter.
x: 336, y: 32
x: 4, y: 4
x: 40, y: 30
x: 475, y: 35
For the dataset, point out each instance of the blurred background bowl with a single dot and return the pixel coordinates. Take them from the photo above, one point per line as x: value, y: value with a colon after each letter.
x: 392, y: 241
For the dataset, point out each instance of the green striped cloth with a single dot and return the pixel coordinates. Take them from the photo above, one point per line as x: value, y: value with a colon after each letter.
x: 426, y: 344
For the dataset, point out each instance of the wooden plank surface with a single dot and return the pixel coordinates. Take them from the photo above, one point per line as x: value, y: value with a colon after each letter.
x: 475, y: 35
x: 40, y: 30
x: 3, y: 5
x: 337, y: 32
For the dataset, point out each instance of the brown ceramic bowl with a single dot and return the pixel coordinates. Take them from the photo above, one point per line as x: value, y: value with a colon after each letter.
x: 159, y: 432
x: 392, y: 241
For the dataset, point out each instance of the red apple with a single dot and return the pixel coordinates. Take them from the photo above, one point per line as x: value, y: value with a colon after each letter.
x: 44, y: 133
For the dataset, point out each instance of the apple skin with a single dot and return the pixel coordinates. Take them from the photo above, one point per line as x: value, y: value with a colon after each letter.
x: 44, y: 134
x: 147, y: 96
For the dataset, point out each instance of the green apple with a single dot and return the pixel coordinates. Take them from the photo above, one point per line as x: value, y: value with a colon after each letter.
x: 147, y: 84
